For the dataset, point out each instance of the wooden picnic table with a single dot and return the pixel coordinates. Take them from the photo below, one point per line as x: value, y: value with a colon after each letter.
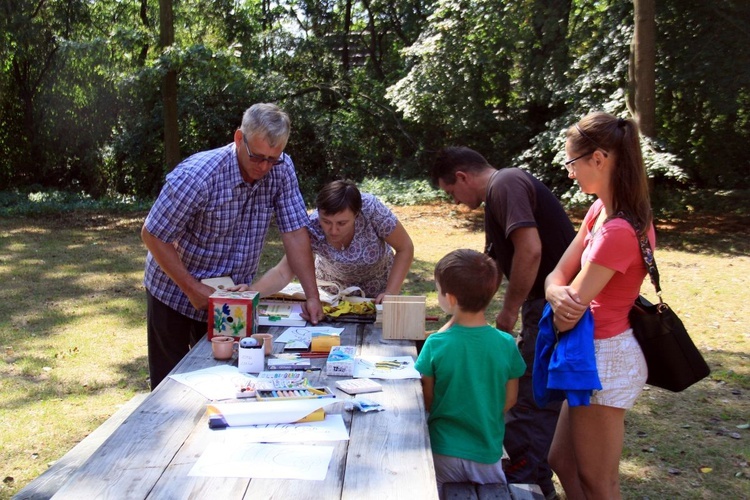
x: 150, y: 453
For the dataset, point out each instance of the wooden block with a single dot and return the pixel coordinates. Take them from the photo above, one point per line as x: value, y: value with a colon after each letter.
x: 403, y: 317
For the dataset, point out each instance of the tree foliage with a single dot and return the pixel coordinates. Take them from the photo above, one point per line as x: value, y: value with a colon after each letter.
x: 374, y: 87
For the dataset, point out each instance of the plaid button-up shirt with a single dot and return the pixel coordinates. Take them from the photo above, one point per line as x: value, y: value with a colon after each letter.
x: 217, y: 222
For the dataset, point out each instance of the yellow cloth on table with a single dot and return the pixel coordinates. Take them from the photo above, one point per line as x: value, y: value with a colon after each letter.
x: 346, y: 307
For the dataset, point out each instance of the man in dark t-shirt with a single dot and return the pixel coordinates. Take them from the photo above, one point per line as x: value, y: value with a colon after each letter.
x: 526, y: 232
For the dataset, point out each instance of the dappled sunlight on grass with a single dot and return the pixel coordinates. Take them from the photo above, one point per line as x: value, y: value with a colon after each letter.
x: 73, y: 339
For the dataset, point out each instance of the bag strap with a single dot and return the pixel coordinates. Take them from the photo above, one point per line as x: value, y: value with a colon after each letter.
x: 647, y: 254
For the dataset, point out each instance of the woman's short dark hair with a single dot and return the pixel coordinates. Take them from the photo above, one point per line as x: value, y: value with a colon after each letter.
x: 337, y: 196
x: 470, y: 276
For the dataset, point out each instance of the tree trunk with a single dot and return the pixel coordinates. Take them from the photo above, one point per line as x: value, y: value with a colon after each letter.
x: 643, y: 67
x: 345, y: 40
x: 169, y: 89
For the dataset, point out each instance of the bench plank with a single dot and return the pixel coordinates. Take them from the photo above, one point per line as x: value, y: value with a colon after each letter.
x: 526, y: 492
x: 492, y: 491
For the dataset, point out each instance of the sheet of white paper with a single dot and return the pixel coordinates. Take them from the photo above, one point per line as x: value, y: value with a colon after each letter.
x: 374, y: 367
x: 219, y: 282
x: 330, y: 429
x: 279, y: 461
x: 217, y: 382
x: 268, y: 412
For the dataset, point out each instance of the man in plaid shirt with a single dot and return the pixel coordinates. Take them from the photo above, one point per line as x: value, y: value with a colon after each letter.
x: 211, y: 219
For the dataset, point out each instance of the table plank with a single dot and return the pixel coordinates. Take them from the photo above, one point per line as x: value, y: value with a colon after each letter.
x: 47, y: 484
x: 150, y: 454
x: 134, y: 457
x: 389, y: 451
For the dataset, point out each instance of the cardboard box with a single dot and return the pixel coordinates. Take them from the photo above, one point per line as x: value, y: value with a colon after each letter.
x: 232, y: 313
x: 341, y: 361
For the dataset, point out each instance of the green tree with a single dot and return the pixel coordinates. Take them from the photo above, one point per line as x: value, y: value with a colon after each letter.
x: 34, y: 42
x: 703, y: 88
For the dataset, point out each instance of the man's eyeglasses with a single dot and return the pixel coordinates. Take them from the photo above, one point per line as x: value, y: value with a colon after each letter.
x: 260, y: 159
x: 569, y: 164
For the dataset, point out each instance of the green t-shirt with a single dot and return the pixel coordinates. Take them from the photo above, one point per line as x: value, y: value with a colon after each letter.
x: 471, y: 366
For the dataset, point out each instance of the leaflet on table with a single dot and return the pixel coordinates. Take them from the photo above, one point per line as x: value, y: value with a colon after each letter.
x: 217, y: 382
x: 332, y: 428
x: 280, y: 313
x: 267, y: 412
x: 300, y: 338
x: 386, y: 367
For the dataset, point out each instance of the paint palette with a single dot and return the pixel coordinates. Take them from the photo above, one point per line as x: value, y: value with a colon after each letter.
x: 307, y: 392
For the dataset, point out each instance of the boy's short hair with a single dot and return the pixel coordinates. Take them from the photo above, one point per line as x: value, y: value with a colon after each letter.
x: 470, y: 276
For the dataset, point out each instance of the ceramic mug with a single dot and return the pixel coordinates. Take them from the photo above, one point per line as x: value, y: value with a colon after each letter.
x: 266, y: 340
x: 223, y: 347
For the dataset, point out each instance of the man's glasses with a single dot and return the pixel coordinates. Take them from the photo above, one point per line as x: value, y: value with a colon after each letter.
x: 260, y: 159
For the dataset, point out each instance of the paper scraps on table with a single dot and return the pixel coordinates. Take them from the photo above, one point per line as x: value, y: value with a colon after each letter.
x: 385, y: 367
x: 260, y: 460
x: 215, y: 383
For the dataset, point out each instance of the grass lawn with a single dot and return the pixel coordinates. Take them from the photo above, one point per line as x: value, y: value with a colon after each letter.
x: 72, y: 334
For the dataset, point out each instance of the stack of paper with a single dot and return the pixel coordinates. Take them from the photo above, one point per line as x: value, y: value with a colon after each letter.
x: 280, y: 313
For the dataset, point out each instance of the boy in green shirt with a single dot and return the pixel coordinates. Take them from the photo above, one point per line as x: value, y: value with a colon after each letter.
x: 470, y: 374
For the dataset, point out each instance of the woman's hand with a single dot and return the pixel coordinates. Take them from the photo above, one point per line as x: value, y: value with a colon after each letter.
x: 312, y: 310
x: 567, y: 305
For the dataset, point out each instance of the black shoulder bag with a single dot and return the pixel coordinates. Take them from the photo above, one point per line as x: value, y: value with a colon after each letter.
x: 674, y: 363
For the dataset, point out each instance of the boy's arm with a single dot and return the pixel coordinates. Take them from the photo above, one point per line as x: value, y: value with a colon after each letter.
x: 511, y: 394
x: 428, y: 389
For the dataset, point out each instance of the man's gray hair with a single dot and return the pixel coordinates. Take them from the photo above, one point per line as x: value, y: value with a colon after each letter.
x: 267, y: 121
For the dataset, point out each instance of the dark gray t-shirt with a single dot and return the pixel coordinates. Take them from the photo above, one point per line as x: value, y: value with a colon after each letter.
x: 517, y: 199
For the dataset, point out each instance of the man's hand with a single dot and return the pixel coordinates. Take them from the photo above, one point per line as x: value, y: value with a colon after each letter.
x: 199, y: 296
x: 312, y: 310
x: 506, y: 320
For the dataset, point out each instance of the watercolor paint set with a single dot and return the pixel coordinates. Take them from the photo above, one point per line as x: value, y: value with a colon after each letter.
x: 308, y: 392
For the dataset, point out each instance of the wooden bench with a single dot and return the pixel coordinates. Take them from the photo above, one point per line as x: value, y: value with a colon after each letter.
x: 493, y: 491
x: 47, y: 484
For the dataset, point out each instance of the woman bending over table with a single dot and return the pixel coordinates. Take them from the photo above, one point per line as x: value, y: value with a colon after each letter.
x: 353, y: 237
x: 602, y: 270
